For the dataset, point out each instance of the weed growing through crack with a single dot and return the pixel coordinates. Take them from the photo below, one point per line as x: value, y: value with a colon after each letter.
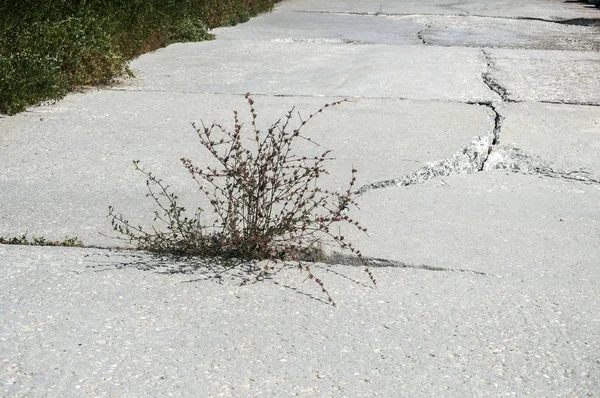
x: 266, y: 200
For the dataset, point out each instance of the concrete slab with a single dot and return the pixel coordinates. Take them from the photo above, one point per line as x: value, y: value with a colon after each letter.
x: 505, y: 33
x: 63, y: 165
x: 488, y: 285
x: 316, y: 69
x: 550, y: 76
x: 493, y: 222
x: 548, y: 9
x: 439, y: 30
x: 567, y: 137
x: 310, y: 27
x: 90, y: 321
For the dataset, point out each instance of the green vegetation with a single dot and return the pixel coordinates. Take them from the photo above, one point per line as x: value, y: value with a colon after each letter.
x: 50, y: 47
x: 40, y: 241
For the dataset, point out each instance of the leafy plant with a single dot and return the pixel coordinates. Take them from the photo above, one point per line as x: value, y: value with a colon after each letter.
x: 265, y: 198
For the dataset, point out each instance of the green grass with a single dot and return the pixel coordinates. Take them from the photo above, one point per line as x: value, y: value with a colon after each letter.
x: 51, y: 47
x: 40, y: 241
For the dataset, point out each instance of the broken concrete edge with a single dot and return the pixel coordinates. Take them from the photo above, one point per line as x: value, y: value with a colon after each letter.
x: 484, y: 153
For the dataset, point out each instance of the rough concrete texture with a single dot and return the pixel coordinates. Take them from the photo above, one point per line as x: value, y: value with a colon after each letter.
x: 505, y: 33
x: 566, y: 136
x: 547, y: 76
x: 420, y: 333
x: 62, y: 177
x: 438, y: 30
x: 344, y: 28
x: 553, y: 10
x: 315, y: 69
x: 492, y: 212
x: 475, y: 129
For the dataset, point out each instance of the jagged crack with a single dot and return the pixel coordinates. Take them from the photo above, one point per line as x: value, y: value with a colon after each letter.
x: 483, y: 154
x: 489, y: 81
x: 506, y: 157
x: 469, y: 159
x: 420, y: 35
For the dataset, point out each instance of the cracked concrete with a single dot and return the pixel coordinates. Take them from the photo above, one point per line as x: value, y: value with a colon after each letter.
x: 490, y: 82
x: 547, y: 75
x: 486, y: 115
x: 505, y: 32
x: 470, y: 159
x: 485, y: 153
x: 500, y: 9
x: 420, y: 35
x: 434, y: 29
x: 506, y: 157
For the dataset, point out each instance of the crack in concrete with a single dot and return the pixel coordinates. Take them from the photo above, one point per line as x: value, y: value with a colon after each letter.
x: 420, y: 37
x: 484, y: 153
x: 470, y: 159
x: 566, y: 102
x: 507, y: 157
x: 420, y: 34
x: 495, y: 132
x: 211, y: 268
x: 132, y: 89
x: 336, y: 258
x: 492, y: 84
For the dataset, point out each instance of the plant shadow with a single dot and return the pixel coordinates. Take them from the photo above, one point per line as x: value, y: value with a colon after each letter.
x: 231, y: 272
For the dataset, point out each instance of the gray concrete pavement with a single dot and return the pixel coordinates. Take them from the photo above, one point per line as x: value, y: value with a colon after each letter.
x: 553, y: 10
x: 63, y: 176
x: 475, y: 127
x: 420, y: 333
x: 565, y: 136
x: 315, y: 69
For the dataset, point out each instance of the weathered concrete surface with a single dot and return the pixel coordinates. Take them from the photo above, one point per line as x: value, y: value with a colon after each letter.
x: 567, y: 137
x: 547, y: 76
x: 301, y: 26
x: 490, y: 284
x: 316, y: 69
x: 556, y: 10
x: 494, y: 222
x: 60, y: 175
x: 432, y: 29
x: 505, y: 33
x: 79, y: 321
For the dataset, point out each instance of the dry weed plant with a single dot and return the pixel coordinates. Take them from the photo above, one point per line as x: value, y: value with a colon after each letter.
x: 266, y: 200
